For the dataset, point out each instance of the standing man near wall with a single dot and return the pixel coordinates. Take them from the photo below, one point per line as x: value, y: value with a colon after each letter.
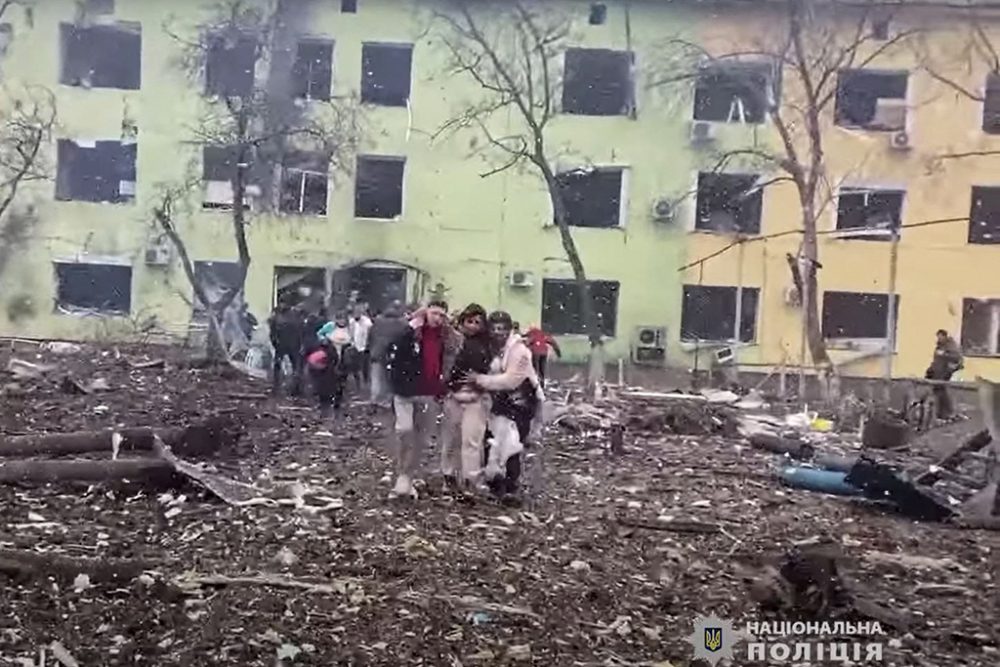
x: 946, y: 362
x: 418, y: 364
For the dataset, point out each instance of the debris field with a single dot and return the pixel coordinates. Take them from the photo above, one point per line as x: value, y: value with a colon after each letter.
x: 278, y: 545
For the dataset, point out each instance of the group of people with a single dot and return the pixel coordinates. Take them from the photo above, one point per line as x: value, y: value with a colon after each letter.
x: 471, y: 381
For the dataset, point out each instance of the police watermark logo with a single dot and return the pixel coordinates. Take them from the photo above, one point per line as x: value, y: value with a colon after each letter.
x: 713, y: 639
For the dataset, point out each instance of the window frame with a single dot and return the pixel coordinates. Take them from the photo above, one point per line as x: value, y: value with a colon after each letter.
x: 697, y: 206
x: 972, y: 238
x: 738, y: 300
x: 994, y: 305
x: 98, y: 261
x: 613, y: 285
x: 908, y: 76
x: 68, y: 151
x: 373, y: 157
x: 868, y: 233
x: 853, y: 341
x: 771, y: 88
x: 623, y: 201
x: 403, y: 46
x: 314, y: 41
x: 303, y: 173
x: 126, y: 27
x: 631, y: 102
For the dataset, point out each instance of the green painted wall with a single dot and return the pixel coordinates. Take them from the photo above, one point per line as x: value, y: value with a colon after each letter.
x: 465, y: 231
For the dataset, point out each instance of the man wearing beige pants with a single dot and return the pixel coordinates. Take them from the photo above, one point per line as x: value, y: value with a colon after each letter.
x: 418, y: 363
x: 466, y: 406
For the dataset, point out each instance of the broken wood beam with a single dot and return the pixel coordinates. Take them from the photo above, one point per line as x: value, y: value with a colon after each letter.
x: 973, y: 443
x: 56, y: 470
x: 199, y: 439
x: 672, y: 526
x: 28, y: 564
x: 133, y: 440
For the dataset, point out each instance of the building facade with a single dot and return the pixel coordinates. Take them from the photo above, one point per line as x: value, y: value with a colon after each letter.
x: 687, y: 255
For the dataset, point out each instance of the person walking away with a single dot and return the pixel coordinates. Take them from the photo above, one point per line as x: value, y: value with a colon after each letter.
x: 516, y: 395
x: 387, y: 327
x: 418, y: 363
x: 946, y: 362
x: 539, y: 343
x: 286, y: 327
x: 337, y: 335
x: 327, y: 377
x: 466, y: 406
x: 361, y: 326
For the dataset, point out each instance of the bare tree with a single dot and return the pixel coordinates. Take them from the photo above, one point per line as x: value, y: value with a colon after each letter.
x: 242, y: 57
x: 28, y: 116
x: 514, y: 52
x: 791, y: 75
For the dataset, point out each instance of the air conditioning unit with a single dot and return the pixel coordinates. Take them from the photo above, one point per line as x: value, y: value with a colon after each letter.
x: 900, y: 141
x: 521, y: 279
x: 702, y: 132
x: 724, y: 356
x: 792, y: 296
x: 663, y: 210
x: 159, y: 252
x: 650, y: 345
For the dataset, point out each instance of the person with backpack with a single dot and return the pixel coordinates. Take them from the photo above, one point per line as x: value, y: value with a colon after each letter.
x: 286, y: 327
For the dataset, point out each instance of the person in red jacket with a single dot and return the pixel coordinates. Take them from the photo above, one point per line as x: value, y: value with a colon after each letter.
x: 539, y: 343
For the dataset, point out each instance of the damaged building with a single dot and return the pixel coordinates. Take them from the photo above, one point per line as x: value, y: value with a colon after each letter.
x: 686, y: 256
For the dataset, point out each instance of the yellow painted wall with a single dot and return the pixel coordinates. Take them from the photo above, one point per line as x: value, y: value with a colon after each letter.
x: 937, y: 268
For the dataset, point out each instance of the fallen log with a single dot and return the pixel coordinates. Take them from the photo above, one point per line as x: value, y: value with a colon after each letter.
x: 672, y: 526
x: 49, y: 470
x: 29, y: 564
x: 200, y: 439
x: 776, y: 444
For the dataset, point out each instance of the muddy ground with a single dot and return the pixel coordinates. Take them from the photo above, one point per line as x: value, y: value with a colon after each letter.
x: 562, y: 580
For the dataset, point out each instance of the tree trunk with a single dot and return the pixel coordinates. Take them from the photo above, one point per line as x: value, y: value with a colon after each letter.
x: 826, y: 371
x: 595, y: 362
x: 155, y: 470
x: 133, y: 439
x: 215, y: 344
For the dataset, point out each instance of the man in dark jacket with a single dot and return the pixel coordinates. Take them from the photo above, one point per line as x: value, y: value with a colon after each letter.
x: 388, y: 327
x: 466, y: 407
x: 946, y: 362
x: 285, y: 327
x: 328, y: 377
x: 419, y: 361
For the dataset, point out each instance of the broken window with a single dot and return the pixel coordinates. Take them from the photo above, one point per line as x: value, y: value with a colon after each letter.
x: 296, y: 285
x: 96, y: 171
x: 378, y: 187
x: 349, y: 6
x: 561, y: 312
x: 6, y: 36
x: 377, y: 286
x: 728, y: 203
x: 597, y: 82
x: 708, y: 313
x: 219, y: 165
x: 230, y: 65
x: 991, y: 104
x: 385, y: 74
x: 215, y: 279
x: 592, y: 197
x: 869, y: 209
x: 855, y: 315
x: 598, y: 13
x: 312, y: 72
x: 304, y: 183
x: 873, y: 100
x: 984, y: 218
x: 981, y: 326
x: 104, y: 288
x: 101, y: 56
x: 99, y: 7
x: 733, y: 93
